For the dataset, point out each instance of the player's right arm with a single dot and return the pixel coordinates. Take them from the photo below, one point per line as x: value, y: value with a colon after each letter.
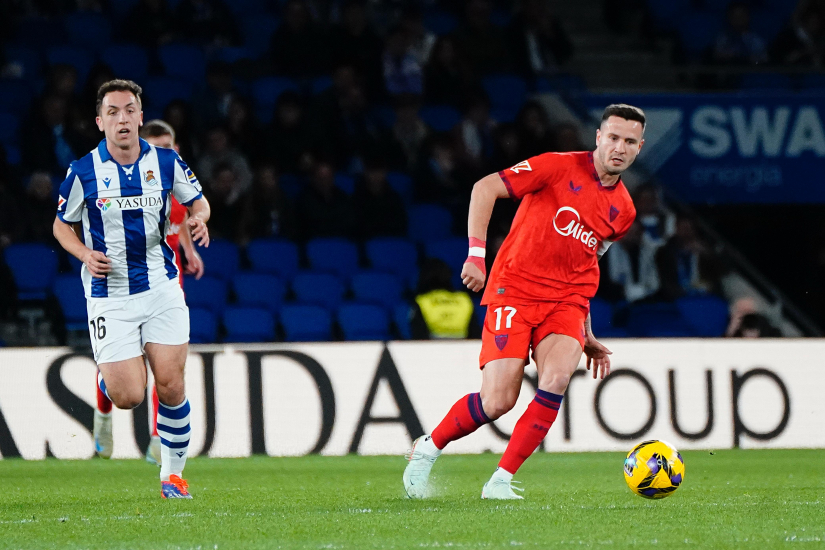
x: 485, y: 193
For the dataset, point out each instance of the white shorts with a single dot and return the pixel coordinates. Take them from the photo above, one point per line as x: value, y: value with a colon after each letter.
x: 120, y: 327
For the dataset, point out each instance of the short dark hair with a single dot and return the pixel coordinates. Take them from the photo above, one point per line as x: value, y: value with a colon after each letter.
x: 157, y: 128
x: 625, y: 111
x: 118, y: 85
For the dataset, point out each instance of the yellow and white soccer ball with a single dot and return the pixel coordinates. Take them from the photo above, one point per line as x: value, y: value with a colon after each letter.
x: 654, y: 469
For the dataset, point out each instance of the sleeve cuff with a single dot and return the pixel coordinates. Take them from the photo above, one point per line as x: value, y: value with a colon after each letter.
x: 189, y: 203
x: 507, y: 184
x: 62, y: 217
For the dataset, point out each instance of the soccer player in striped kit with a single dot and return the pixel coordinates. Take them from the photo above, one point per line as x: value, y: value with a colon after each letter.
x: 120, y: 194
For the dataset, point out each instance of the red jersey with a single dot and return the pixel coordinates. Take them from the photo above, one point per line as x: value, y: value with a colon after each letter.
x: 176, y: 216
x: 565, y: 218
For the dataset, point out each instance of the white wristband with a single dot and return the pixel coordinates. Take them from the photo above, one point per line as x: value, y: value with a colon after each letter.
x: 478, y: 251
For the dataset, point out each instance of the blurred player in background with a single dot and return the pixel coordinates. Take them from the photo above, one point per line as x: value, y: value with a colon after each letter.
x: 573, y: 206
x: 159, y: 134
x: 119, y: 193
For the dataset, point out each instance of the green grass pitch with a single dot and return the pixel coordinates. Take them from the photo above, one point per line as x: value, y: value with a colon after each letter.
x: 730, y: 499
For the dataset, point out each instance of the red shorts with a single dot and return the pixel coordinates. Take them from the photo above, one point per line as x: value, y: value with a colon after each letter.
x: 510, y: 331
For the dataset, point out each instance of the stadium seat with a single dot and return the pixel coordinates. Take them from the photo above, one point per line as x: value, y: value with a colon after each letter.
x: 402, y: 184
x: 345, y: 182
x: 208, y: 293
x: 259, y: 290
x: 441, y: 118
x: 276, y: 256
x: 363, y: 322
x: 23, y: 63
x: 377, y: 287
x: 15, y: 96
x: 77, y: 57
x: 601, y: 319
x: 706, y: 315
x: 320, y: 84
x: 220, y: 258
x: 68, y: 289
x: 452, y: 251
x: 203, y: 326
x: 320, y: 289
x: 698, y: 31
x: 257, y: 31
x: 429, y: 222
x: 333, y: 255
x: 813, y: 82
x: 266, y: 91
x: 127, y: 61
x: 401, y: 318
x: 306, y: 323
x: 658, y: 320
x: 183, y: 61
x: 394, y: 255
x: 34, y: 268
x: 88, y: 30
x: 230, y: 54
x: 766, y: 82
x: 160, y: 91
x: 439, y: 22
x: 505, y: 90
x: 248, y: 324
x: 9, y: 124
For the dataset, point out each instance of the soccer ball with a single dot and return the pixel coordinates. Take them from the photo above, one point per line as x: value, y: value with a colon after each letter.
x: 654, y: 469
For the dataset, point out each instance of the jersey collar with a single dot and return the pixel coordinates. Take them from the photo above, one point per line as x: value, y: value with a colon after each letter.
x: 596, y: 175
x: 105, y: 156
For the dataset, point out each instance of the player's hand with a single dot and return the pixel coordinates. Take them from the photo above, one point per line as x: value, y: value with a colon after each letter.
x: 472, y: 277
x: 200, y: 234
x: 194, y: 262
x: 97, y: 263
x: 598, y: 355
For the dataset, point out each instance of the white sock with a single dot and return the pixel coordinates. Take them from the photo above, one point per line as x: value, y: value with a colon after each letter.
x: 174, y: 430
x: 502, y: 474
x: 427, y: 446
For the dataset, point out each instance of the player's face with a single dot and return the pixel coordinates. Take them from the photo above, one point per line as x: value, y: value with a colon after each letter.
x: 165, y: 141
x: 119, y: 119
x: 618, y: 143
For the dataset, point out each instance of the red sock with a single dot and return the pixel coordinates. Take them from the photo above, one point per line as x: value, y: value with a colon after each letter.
x: 154, y: 410
x: 104, y: 405
x: 530, y: 430
x: 466, y: 416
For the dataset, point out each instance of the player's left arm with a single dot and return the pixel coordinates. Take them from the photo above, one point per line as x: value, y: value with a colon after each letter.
x: 189, y: 193
x: 194, y: 262
x: 199, y: 212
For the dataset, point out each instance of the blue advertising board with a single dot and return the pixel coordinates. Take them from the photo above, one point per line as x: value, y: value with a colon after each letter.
x: 733, y: 148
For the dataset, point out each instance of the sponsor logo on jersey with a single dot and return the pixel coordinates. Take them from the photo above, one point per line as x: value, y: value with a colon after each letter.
x: 61, y: 204
x: 134, y: 203
x: 149, y: 178
x: 567, y: 223
x: 574, y: 188
x: 104, y: 204
x: 501, y: 341
x: 521, y: 166
x: 614, y: 212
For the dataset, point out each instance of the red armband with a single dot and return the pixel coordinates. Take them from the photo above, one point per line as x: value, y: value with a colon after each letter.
x: 478, y: 250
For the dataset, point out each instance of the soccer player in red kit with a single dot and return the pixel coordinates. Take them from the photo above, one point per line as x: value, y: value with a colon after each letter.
x: 573, y: 206
x: 160, y: 134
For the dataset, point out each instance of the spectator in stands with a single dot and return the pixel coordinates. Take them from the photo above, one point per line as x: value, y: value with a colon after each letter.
x: 534, y: 126
x: 447, y: 77
x: 408, y: 131
x: 213, y: 101
x: 687, y: 266
x: 403, y: 73
x: 10, y: 205
x: 206, y: 22
x: 288, y: 138
x: 802, y: 42
x: 82, y: 122
x: 178, y: 116
x: 39, y: 207
x: 566, y: 138
x: 48, y: 140
x: 150, y: 23
x: 441, y: 178
x: 324, y: 210
x: 538, y: 40
x: 659, y: 224
x: 379, y: 210
x: 439, y: 311
x: 299, y: 48
x: 476, y: 132
x: 220, y: 151
x: 482, y: 43
x: 737, y: 44
x: 227, y: 198
x: 421, y: 40
x: 507, y: 147
x: 756, y: 325
x: 740, y: 307
x: 243, y: 132
x: 354, y: 43
x: 631, y: 274
x: 268, y: 212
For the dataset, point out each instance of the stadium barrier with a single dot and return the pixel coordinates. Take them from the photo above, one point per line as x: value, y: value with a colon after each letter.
x: 371, y: 398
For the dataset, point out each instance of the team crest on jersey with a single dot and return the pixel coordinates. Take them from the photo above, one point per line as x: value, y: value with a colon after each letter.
x: 149, y: 178
x: 501, y: 341
x: 614, y: 212
x: 103, y: 204
x: 522, y: 166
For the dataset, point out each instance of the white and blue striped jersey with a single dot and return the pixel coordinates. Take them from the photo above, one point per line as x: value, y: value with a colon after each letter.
x: 125, y: 212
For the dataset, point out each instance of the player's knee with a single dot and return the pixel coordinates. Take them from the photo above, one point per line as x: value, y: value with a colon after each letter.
x: 127, y: 399
x: 171, y: 392
x: 555, y: 382
x: 498, y: 405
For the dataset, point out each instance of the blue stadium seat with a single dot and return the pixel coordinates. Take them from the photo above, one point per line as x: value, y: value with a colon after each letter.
x: 248, y: 324
x: 505, y: 113
x: 451, y: 251
x: 230, y: 54
x: 345, y: 182
x: 34, y: 268
x: 401, y: 318
x: 394, y: 255
x: 429, y: 222
x: 766, y: 82
x: 698, y: 32
x: 259, y: 290
x: 363, y: 322
x: 320, y: 289
x: 266, y: 91
x: 160, y: 91
x: 203, y: 326
x: 333, y: 255
x: 183, y: 61
x: 25, y: 62
x: 68, y: 289
x: 208, y: 293
x: 220, y: 259
x: 659, y: 320
x: 292, y: 185
x: 77, y: 57
x: 813, y: 82
x: 306, y: 323
x: 601, y: 319
x: 402, y: 184
x: 9, y: 124
x: 276, y: 256
x: 88, y: 30
x: 666, y: 13
x: 439, y: 22
x: 564, y: 83
x: 257, y: 31
x: 127, y: 61
x: 15, y: 96
x: 441, y: 118
x: 377, y: 287
x: 320, y: 84
x: 505, y: 90
x: 706, y: 315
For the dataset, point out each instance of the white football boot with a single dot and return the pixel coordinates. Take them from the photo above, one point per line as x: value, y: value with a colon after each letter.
x: 153, y: 451
x: 500, y: 487
x: 104, y: 443
x: 421, y: 458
